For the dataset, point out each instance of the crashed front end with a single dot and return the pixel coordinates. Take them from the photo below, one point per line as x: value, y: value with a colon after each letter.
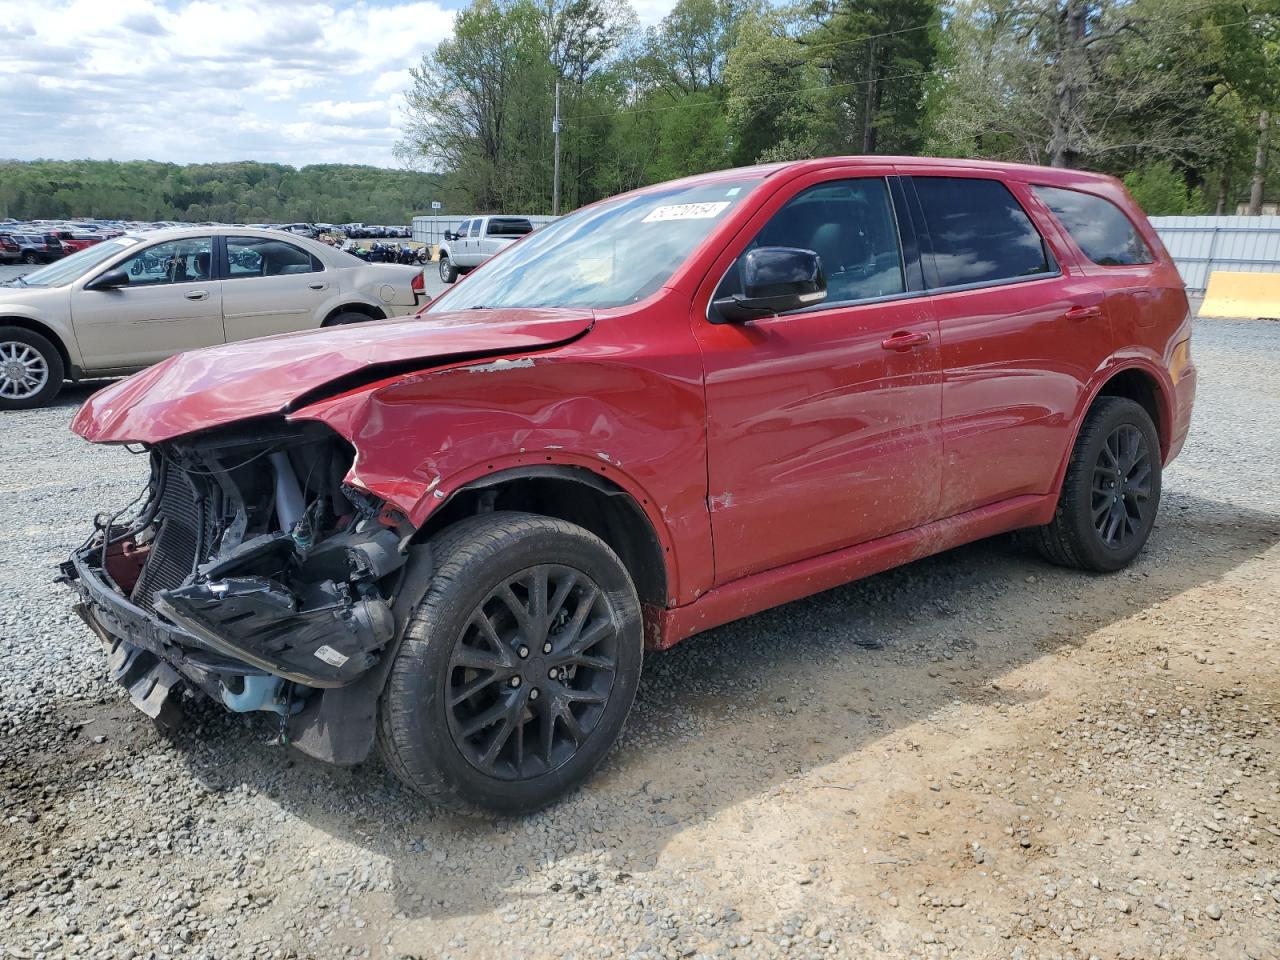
x: 252, y: 574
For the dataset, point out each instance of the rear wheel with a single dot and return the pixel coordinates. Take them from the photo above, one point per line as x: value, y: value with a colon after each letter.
x: 518, y: 668
x: 448, y: 272
x: 1111, y: 491
x: 348, y: 316
x: 31, y: 369
x: 30, y: 257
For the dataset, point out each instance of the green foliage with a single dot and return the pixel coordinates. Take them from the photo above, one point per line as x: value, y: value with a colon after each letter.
x: 1162, y: 191
x: 233, y: 192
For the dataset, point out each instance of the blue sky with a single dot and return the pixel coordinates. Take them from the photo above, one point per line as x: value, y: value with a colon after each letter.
x: 289, y: 81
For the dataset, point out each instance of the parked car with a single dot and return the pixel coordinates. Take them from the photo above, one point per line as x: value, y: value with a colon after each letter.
x: 37, y: 247
x: 455, y: 534
x: 475, y: 241
x: 75, y: 242
x: 126, y: 303
x: 10, y: 249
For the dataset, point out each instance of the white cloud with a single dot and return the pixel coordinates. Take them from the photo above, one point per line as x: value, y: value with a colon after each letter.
x: 292, y: 81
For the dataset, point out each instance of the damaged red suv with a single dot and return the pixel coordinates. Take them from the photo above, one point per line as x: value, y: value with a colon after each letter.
x: 454, y: 535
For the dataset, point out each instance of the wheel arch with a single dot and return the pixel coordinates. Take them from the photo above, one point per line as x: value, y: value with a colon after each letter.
x: 577, y: 495
x: 1134, y: 381
x: 355, y: 306
x: 1141, y: 386
x: 35, y: 326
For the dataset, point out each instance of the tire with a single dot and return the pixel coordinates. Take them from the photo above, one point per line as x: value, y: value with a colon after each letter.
x: 44, y: 372
x: 448, y: 272
x: 347, y: 316
x: 431, y: 717
x: 1119, y: 448
x: 30, y: 257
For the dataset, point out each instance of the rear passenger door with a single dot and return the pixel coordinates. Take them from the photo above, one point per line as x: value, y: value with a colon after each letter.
x: 1021, y: 329
x: 271, y: 286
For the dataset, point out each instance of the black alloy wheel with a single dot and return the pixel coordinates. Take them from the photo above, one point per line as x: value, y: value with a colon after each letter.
x: 518, y: 667
x: 1121, y: 486
x: 1111, y: 492
x: 531, y: 675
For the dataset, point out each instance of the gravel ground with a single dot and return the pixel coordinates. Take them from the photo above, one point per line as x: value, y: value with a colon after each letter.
x: 974, y: 756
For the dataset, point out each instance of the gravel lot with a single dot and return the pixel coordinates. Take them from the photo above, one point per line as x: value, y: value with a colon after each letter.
x: 975, y: 756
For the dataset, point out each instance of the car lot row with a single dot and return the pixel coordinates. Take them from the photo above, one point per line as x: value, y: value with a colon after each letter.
x: 43, y: 241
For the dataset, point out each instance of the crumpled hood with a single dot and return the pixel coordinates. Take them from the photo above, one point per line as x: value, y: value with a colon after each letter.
x: 253, y: 378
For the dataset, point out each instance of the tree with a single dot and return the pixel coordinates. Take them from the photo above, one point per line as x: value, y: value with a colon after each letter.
x: 778, y: 108
x: 877, y: 55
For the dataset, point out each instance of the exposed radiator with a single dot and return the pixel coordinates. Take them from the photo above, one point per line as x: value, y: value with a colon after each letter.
x: 181, y: 541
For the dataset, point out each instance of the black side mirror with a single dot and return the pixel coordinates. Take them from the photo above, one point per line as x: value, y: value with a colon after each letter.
x: 109, y: 280
x: 448, y: 235
x: 774, y: 280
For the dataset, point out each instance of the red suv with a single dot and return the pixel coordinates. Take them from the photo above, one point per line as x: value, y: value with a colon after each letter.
x: 456, y: 534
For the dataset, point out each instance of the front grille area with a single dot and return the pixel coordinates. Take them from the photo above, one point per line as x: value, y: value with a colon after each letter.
x: 181, y: 541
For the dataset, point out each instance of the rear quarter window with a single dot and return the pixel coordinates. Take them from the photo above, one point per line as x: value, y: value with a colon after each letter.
x: 1098, y: 226
x: 979, y: 232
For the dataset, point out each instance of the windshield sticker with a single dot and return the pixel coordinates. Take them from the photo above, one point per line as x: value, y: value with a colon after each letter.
x: 733, y: 192
x: 686, y: 211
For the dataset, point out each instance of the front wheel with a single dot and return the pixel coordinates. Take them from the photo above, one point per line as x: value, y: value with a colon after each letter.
x: 448, y: 272
x: 518, y: 668
x: 1111, y: 491
x: 31, y: 369
x: 30, y: 258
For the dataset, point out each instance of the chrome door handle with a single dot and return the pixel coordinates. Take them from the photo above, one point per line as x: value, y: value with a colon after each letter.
x: 198, y: 295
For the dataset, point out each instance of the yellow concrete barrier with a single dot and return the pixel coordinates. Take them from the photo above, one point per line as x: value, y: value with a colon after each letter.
x: 1249, y: 296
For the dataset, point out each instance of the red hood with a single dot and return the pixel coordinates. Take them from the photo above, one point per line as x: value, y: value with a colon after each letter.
x: 252, y: 378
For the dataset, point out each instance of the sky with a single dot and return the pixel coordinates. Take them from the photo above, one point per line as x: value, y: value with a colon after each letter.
x: 193, y: 81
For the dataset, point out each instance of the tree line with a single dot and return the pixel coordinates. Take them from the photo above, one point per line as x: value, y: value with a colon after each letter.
x: 226, y: 192
x: 1178, y: 97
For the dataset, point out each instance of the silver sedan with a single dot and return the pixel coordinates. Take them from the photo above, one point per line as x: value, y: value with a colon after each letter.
x: 132, y: 301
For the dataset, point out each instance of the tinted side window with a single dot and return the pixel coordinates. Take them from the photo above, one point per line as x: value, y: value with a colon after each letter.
x: 1097, y: 225
x: 849, y: 224
x: 509, y: 227
x: 980, y: 233
x: 462, y: 229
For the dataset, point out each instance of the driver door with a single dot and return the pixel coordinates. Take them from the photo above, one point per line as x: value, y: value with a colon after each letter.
x: 171, y: 303
x: 823, y: 423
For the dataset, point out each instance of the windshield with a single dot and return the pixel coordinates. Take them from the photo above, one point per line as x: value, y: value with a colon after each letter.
x: 607, y: 255
x: 78, y: 264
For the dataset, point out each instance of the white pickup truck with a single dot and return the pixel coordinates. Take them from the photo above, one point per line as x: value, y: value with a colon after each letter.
x: 476, y: 240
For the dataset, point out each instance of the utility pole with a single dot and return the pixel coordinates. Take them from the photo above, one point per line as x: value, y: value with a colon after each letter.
x: 555, y: 179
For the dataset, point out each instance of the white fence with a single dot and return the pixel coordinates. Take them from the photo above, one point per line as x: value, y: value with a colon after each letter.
x: 431, y: 229
x: 1200, y: 245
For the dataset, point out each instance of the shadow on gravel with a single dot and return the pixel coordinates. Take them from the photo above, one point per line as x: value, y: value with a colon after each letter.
x: 731, y: 714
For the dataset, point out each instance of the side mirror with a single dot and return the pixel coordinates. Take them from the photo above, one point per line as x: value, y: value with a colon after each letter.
x: 448, y: 235
x: 774, y: 280
x: 109, y: 280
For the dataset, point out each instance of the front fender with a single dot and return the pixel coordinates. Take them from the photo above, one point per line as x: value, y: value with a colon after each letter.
x: 421, y: 438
